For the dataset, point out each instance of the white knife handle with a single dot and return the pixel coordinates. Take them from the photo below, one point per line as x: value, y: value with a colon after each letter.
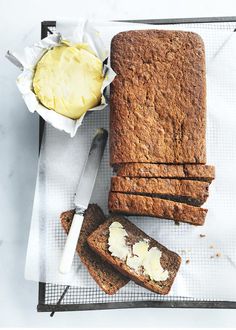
x: 71, y: 242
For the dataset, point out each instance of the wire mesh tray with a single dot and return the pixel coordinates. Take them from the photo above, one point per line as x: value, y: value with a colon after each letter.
x: 53, y: 298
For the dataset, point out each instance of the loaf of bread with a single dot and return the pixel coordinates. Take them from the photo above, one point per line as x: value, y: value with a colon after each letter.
x: 169, y: 261
x: 158, y: 98
x: 186, y: 191
x: 130, y: 204
x: 185, y: 171
x: 108, y: 279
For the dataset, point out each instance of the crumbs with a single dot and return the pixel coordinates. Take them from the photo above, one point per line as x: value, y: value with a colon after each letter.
x: 184, y: 254
x: 213, y: 252
x: 217, y: 254
x: 212, y: 246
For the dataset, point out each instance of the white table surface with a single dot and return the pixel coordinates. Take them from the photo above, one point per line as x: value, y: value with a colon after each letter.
x: 20, y: 25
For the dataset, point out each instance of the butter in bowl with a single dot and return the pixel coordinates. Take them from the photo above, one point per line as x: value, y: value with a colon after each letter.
x: 68, y: 79
x: 62, y: 79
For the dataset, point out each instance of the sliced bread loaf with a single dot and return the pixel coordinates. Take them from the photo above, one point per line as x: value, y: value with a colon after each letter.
x: 108, y: 279
x: 185, y: 191
x: 155, y: 266
x: 198, y: 172
x: 155, y: 207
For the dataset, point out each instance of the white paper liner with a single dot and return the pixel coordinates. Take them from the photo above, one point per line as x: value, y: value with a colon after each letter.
x: 27, y: 60
x: 62, y: 159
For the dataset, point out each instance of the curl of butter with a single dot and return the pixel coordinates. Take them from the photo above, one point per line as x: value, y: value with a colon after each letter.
x: 138, y: 256
x: 68, y: 79
x: 117, y: 241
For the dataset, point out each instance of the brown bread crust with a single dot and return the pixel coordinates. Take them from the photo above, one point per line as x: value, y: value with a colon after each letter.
x: 186, y: 191
x: 171, y: 261
x: 156, y: 207
x: 185, y: 171
x: 108, y: 279
x: 158, y: 98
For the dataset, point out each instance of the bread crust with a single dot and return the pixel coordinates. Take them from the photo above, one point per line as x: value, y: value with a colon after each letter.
x: 130, y: 204
x: 158, y: 98
x: 184, y: 171
x: 186, y: 191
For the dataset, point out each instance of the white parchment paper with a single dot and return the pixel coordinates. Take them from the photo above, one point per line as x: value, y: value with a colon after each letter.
x: 211, y: 270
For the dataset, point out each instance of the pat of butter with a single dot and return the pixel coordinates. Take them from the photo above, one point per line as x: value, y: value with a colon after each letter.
x: 117, y: 241
x: 138, y: 256
x: 140, y: 249
x: 68, y: 79
x: 152, y: 265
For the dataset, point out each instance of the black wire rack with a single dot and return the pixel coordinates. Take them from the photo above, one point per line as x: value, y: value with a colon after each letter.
x: 56, y: 298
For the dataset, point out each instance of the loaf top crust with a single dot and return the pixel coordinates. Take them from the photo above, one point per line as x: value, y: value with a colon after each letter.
x: 158, y: 98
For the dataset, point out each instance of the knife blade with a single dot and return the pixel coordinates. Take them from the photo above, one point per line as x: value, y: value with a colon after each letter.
x: 82, y: 197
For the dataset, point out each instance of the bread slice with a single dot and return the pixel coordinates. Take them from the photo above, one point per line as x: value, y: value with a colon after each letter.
x: 156, y: 207
x: 170, y: 261
x: 186, y: 191
x: 158, y: 98
x: 108, y: 279
x: 198, y: 172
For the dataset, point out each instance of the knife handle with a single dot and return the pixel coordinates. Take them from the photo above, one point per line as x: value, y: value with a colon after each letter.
x: 71, y: 242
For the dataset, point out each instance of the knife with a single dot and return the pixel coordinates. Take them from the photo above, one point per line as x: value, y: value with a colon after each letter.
x: 82, y: 197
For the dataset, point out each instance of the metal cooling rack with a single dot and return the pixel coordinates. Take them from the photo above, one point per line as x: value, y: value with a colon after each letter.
x: 54, y: 298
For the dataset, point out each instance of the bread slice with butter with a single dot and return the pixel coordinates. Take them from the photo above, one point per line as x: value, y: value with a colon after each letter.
x: 135, y: 254
x: 108, y: 279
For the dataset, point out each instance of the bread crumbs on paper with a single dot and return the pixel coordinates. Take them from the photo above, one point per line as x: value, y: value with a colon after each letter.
x: 202, y: 235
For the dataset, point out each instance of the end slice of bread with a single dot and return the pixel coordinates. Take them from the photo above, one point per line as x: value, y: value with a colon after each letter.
x: 108, y: 278
x: 170, y: 261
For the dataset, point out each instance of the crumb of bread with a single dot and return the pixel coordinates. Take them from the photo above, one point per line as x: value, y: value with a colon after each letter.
x: 187, y: 261
x: 211, y: 257
x: 218, y: 254
x: 202, y: 235
x: 211, y: 246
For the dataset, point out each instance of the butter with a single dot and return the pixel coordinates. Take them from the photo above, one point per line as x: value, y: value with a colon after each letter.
x: 152, y: 265
x: 140, y: 249
x: 68, y: 79
x: 117, y: 241
x: 137, y: 256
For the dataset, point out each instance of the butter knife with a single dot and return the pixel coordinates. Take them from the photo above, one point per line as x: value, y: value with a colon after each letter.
x: 82, y: 197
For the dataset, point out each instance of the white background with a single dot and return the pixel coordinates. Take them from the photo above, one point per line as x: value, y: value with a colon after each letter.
x: 20, y: 25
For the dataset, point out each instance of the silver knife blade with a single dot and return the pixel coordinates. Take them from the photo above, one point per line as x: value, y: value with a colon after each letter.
x: 90, y: 170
